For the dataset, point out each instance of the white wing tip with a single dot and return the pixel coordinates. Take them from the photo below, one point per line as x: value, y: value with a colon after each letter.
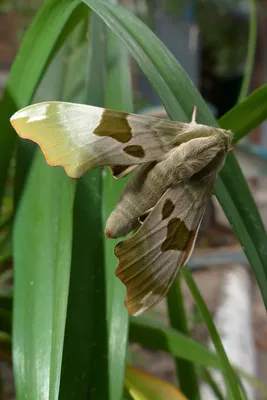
x: 139, y: 312
x: 37, y: 112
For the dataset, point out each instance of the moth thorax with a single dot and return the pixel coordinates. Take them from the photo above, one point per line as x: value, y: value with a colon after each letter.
x: 212, y: 168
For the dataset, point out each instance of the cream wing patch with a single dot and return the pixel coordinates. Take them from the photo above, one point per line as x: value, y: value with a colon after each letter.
x: 80, y: 137
x: 75, y: 119
x: 37, y: 114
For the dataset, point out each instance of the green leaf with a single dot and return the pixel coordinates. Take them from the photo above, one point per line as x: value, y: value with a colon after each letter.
x: 186, y: 372
x: 42, y: 266
x: 86, y: 334
x: 241, y: 119
x: 5, y: 347
x: 247, y: 115
x: 206, y: 375
x: 258, y: 385
x: 143, y: 386
x: 6, y: 299
x: 41, y: 287
x: 153, y: 335
x: 5, y: 320
x: 5, y: 246
x: 252, y: 41
x: 27, y: 70
x: 227, y: 369
x: 243, y: 215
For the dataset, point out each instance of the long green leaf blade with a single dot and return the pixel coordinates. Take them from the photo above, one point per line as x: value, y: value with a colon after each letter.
x: 154, y: 336
x: 42, y: 264
x: 177, y: 318
x: 48, y: 266
x: 86, y: 334
x: 248, y: 225
x: 252, y: 41
x: 247, y: 115
x: 227, y: 369
x: 26, y: 72
x: 241, y: 119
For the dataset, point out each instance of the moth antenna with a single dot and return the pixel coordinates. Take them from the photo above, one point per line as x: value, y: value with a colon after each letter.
x: 194, y: 114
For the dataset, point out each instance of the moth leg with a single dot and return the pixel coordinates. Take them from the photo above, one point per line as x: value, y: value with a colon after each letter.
x: 120, y: 171
x: 142, y: 217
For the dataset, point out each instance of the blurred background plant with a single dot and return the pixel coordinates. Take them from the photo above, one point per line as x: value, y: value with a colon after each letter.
x: 71, y: 335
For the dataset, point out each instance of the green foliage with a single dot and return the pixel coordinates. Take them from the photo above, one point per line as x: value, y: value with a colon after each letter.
x: 70, y: 326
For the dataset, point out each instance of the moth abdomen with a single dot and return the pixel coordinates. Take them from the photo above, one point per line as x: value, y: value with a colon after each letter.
x: 140, y: 195
x: 122, y: 220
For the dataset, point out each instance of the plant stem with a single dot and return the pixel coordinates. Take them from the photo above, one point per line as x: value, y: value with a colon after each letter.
x: 231, y: 381
x: 252, y: 38
x: 185, y: 370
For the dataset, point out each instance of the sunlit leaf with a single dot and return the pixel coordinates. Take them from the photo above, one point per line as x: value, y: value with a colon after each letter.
x: 143, y: 386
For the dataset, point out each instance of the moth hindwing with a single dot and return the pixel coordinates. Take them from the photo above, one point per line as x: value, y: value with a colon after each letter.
x: 174, y: 167
x: 151, y: 258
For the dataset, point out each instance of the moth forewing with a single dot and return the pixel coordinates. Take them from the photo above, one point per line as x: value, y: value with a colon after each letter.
x: 150, y: 181
x: 81, y: 137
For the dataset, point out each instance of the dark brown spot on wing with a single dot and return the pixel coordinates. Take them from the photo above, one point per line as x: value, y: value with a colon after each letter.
x: 114, y: 125
x: 178, y: 236
x: 135, y: 151
x: 167, y: 209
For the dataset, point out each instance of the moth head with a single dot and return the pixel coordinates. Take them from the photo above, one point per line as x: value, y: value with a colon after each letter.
x: 226, y: 137
x: 223, y: 139
x: 193, y: 130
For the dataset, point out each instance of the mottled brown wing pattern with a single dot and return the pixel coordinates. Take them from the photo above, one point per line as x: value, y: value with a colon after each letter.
x: 151, y: 258
x: 175, y: 168
x: 197, y: 158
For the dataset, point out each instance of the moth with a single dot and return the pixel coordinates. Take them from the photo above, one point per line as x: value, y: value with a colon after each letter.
x: 174, y: 166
